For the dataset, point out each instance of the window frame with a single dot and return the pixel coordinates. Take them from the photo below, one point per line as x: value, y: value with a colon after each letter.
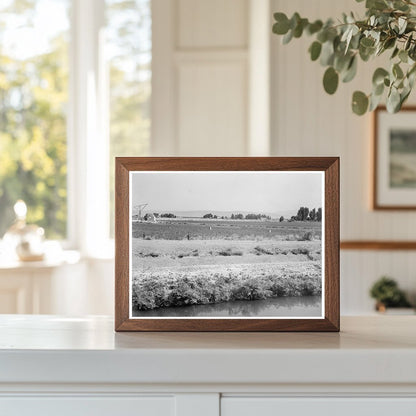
x: 87, y: 133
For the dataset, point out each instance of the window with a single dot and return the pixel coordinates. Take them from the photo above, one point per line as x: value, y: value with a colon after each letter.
x: 129, y: 43
x: 75, y: 87
x: 33, y: 98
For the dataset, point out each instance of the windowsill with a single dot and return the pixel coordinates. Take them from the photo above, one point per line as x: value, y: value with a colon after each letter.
x: 56, y: 256
x: 63, y: 258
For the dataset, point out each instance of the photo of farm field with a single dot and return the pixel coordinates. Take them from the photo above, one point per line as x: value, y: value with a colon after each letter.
x: 224, y: 263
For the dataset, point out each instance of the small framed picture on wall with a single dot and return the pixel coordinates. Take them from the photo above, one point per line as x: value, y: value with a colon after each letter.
x: 227, y: 244
x: 394, y: 159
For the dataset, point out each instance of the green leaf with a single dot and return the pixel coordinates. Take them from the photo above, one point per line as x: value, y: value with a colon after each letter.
x: 378, y: 89
x: 341, y: 62
x: 395, y: 52
x: 412, y: 52
x: 376, y: 4
x: 330, y: 80
x: 327, y: 53
x: 294, y: 20
x: 359, y: 103
x: 314, y: 27
x: 374, y: 102
x: 367, y: 42
x: 288, y: 37
x: 322, y: 36
x: 402, y: 24
x: 298, y: 30
x: 408, y: 42
x: 366, y: 53
x: 351, y: 71
x: 315, y: 50
x: 403, y: 96
x: 397, y: 71
x: 379, y: 75
x: 403, y: 56
x: 393, y: 101
x: 389, y: 43
x: 400, y: 5
x: 281, y: 27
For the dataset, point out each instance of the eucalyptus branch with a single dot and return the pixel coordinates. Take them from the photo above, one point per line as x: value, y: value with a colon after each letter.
x: 389, y: 25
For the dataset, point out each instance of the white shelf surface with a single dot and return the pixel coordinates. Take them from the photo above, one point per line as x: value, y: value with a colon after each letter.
x: 53, y: 349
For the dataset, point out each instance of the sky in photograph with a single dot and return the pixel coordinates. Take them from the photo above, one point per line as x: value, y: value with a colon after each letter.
x: 257, y: 192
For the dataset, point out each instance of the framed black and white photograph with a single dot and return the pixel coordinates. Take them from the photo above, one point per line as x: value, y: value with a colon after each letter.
x: 227, y: 244
x: 395, y: 159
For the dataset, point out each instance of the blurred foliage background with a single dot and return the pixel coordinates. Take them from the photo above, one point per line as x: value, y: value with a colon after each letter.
x: 34, y: 91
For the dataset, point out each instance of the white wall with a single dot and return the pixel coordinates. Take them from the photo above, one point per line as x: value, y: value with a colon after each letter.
x: 211, y: 92
x: 308, y: 122
x: 202, y: 83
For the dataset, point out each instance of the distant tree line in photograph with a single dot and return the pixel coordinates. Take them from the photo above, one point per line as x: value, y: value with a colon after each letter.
x: 305, y: 214
x: 239, y: 217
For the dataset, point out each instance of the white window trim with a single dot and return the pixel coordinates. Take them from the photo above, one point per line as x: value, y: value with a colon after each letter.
x: 88, y: 139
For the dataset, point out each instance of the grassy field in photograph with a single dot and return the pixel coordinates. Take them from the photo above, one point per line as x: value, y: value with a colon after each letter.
x: 178, y: 262
x: 198, y: 229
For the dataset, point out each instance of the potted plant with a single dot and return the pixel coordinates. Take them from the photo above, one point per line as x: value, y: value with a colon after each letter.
x: 387, y: 294
x: 389, y: 27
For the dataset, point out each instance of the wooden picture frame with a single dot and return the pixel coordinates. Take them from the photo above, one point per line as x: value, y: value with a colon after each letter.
x: 196, y: 167
x: 391, y: 178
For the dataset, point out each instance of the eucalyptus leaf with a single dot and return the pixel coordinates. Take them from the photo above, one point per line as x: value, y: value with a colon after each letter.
x: 341, y: 62
x: 408, y: 42
x: 397, y: 71
x: 404, y: 96
x: 294, y: 20
x: 378, y: 89
x: 402, y: 22
x: 288, y: 37
x: 322, y: 35
x: 351, y: 71
x: 298, y: 30
x: 281, y: 26
x: 393, y: 101
x: 330, y: 80
x: 411, y: 78
x: 374, y: 102
x: 400, y: 5
x: 327, y: 54
x: 367, y: 42
x: 376, y: 4
x: 389, y: 43
x: 395, y: 52
x: 314, y: 27
x: 379, y: 75
x: 315, y: 50
x: 403, y: 56
x: 359, y: 103
x: 366, y: 53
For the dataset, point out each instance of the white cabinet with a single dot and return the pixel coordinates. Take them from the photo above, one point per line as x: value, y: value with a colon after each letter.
x: 88, y: 406
x: 270, y: 406
x: 80, y: 367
